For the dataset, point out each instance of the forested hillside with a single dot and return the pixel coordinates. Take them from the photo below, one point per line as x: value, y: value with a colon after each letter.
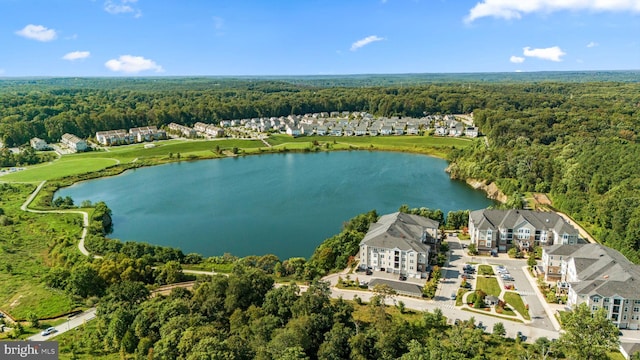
x: 573, y: 138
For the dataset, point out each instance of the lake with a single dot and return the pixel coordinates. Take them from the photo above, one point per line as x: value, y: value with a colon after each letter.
x: 282, y: 204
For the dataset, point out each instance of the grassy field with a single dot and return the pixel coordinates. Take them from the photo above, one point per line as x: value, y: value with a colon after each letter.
x: 25, y: 256
x: 489, y: 285
x: 514, y: 300
x: 65, y: 166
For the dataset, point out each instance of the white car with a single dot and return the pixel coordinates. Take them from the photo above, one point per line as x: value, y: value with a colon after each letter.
x: 48, y: 331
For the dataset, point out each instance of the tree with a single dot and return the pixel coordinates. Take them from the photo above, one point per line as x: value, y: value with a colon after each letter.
x: 34, y: 320
x: 499, y: 330
x: 472, y: 249
x: 384, y: 292
x: 85, y: 281
x: 531, y: 261
x: 588, y: 335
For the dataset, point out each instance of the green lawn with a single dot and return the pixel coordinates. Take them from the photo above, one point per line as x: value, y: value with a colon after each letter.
x: 65, y: 166
x: 489, y: 285
x: 485, y: 270
x: 420, y: 144
x: 514, y: 300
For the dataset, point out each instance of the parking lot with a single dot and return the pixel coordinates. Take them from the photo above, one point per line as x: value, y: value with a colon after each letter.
x: 510, y: 274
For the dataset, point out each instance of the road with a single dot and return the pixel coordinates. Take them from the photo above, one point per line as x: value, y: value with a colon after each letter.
x: 72, y: 323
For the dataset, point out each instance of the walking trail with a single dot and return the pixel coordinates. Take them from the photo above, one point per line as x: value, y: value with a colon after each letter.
x: 85, y: 217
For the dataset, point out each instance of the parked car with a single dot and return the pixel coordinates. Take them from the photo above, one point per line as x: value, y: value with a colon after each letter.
x: 368, y: 272
x: 402, y: 277
x: 48, y: 331
x: 453, y: 296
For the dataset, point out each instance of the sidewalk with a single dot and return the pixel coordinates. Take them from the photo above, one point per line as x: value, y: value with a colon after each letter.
x: 548, y: 308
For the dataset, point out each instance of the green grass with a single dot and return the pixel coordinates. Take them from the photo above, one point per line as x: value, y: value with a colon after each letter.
x: 489, y: 285
x: 63, y: 167
x: 78, y: 342
x: 460, y: 295
x: 25, y: 257
x: 485, y: 270
x: 74, y: 164
x: 514, y: 300
x: 437, y: 146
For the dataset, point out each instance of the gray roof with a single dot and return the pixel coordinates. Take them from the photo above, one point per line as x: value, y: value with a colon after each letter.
x: 399, y: 286
x: 399, y: 230
x: 508, y: 219
x: 602, y: 271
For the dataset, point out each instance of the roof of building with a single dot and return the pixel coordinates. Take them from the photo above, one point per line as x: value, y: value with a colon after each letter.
x: 601, y: 270
x: 485, y: 219
x: 401, y: 231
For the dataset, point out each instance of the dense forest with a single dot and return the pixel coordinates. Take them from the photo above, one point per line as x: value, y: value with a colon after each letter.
x: 572, y: 135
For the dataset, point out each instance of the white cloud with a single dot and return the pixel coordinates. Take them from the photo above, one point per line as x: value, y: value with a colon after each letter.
x: 592, y: 44
x: 514, y: 9
x: 121, y: 7
x: 132, y: 64
x: 362, y: 42
x: 552, y: 53
x: 76, y: 55
x: 37, y: 32
x: 516, y: 59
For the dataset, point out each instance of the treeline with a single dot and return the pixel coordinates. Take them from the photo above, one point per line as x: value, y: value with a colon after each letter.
x: 583, y: 150
x: 26, y: 156
x: 243, y: 316
x: 28, y: 110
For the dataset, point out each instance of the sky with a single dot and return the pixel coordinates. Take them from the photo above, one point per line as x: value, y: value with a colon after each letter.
x: 76, y: 38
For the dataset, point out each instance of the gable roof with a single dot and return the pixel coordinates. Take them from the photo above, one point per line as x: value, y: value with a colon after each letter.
x: 490, y: 219
x: 399, y: 230
x: 601, y: 270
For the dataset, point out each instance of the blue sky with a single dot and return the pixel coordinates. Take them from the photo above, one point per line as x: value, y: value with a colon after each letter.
x: 314, y: 37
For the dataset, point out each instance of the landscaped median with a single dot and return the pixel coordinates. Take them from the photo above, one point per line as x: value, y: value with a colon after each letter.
x: 489, y: 299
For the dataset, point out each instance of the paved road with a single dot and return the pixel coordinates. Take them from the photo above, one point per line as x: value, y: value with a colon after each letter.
x: 72, y: 323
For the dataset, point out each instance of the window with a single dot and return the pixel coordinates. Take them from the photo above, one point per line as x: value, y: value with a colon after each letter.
x: 636, y: 309
x: 594, y: 308
x: 596, y: 299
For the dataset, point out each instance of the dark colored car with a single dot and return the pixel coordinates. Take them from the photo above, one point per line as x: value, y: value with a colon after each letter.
x: 368, y: 272
x: 402, y: 277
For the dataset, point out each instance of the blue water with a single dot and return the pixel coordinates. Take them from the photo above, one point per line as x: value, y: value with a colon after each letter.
x: 282, y: 204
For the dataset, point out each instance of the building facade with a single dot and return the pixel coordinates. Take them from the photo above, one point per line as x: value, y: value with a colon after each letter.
x: 38, y: 144
x: 496, y: 231
x: 74, y: 142
x: 599, y: 276
x: 400, y: 243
